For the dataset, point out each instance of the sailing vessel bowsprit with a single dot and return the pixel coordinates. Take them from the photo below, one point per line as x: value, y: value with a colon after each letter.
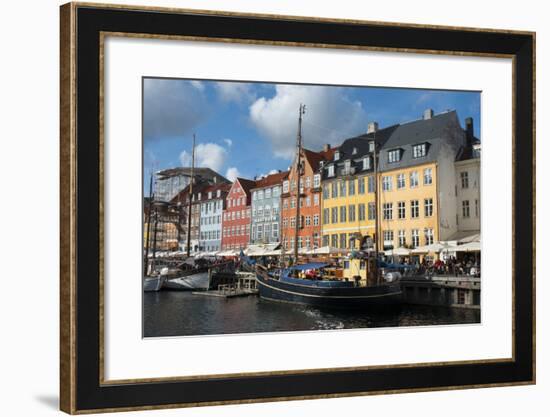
x: 311, y: 284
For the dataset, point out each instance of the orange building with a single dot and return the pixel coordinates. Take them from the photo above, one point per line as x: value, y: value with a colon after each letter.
x: 309, y: 198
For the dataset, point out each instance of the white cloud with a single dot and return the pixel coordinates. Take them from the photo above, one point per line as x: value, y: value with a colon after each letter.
x: 207, y: 155
x: 235, y: 92
x: 232, y: 174
x: 171, y: 108
x: 197, y: 84
x: 228, y: 142
x: 331, y: 116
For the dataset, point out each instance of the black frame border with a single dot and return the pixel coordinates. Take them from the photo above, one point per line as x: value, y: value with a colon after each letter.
x: 90, y: 395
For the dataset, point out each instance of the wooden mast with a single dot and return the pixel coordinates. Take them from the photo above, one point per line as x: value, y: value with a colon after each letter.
x: 376, y: 219
x: 301, y: 111
x: 190, y: 198
x: 151, y: 197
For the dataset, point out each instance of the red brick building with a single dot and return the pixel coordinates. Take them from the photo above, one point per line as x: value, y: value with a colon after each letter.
x: 236, y: 216
x: 309, y: 232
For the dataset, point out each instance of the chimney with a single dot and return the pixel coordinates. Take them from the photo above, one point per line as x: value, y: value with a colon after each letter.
x: 428, y: 114
x: 326, y: 147
x: 469, y: 123
x: 372, y: 127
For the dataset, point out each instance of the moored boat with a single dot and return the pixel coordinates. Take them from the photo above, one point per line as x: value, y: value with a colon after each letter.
x: 153, y: 283
x: 198, y: 278
x: 290, y: 286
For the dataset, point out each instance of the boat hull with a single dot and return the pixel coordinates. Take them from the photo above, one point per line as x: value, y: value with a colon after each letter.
x: 151, y: 284
x: 342, y: 298
x: 197, y: 281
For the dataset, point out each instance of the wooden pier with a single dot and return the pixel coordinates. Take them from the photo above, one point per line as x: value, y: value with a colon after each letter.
x: 242, y: 284
x: 450, y: 291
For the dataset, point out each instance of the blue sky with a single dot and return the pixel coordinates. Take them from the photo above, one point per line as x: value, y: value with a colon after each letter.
x: 249, y: 129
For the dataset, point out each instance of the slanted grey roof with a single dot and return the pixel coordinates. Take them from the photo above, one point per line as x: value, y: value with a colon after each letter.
x: 441, y: 133
x: 359, y: 144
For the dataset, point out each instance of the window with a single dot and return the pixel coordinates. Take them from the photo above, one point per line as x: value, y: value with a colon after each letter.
x: 260, y: 212
x: 361, y: 212
x: 366, y: 162
x: 293, y: 222
x: 308, y: 201
x: 276, y: 191
x: 415, y: 238
x: 334, y: 186
x: 414, y: 209
x: 330, y: 171
x: 285, y: 223
x: 326, y: 240
x: 394, y: 156
x: 401, y: 210
x: 334, y: 241
x: 316, y: 181
x: 260, y: 195
x: 414, y: 179
x: 343, y: 214
x: 285, y: 187
x: 293, y: 185
x: 268, y: 193
x: 466, y: 208
x: 386, y: 183
x: 342, y: 188
x: 347, y: 167
x: 388, y: 237
x: 308, y: 182
x: 315, y: 199
x: 308, y: 242
x: 351, y: 187
x: 428, y: 207
x: 429, y: 236
x: 254, y: 196
x: 343, y: 240
x: 308, y: 220
x: 334, y: 215
x: 326, y: 194
x: 419, y: 150
x: 285, y: 204
x: 464, y: 179
x: 336, y: 155
x: 427, y: 176
x: 293, y: 203
x: 400, y: 181
x: 371, y: 184
x: 326, y: 216
x: 316, y: 220
x: 361, y: 185
x: 387, y: 211
x: 372, y: 211
x: 401, y: 237
x: 351, y: 213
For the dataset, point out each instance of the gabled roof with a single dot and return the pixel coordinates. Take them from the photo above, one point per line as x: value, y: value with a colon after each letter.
x: 205, y: 173
x: 314, y: 158
x: 246, y: 184
x: 271, y: 180
x: 223, y: 187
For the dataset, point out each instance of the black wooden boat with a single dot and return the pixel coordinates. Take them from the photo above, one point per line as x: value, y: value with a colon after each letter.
x: 330, y: 293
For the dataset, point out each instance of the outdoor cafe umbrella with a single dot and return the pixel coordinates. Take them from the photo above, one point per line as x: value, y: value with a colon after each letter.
x: 468, y: 247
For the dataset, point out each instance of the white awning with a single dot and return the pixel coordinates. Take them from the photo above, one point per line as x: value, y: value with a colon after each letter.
x: 469, y: 247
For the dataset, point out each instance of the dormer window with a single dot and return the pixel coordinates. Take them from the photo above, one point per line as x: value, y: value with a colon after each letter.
x: 330, y: 171
x: 354, y: 151
x: 218, y: 193
x: 394, y: 156
x: 285, y: 187
x: 366, y: 163
x: 371, y: 146
x: 336, y: 155
x: 209, y: 195
x: 347, y: 166
x: 420, y: 150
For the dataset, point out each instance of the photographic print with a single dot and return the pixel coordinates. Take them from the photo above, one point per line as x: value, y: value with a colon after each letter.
x: 291, y: 207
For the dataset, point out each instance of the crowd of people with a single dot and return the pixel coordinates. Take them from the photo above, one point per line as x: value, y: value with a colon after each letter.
x: 468, y: 265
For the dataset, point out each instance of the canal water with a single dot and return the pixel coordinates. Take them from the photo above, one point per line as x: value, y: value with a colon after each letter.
x: 181, y: 313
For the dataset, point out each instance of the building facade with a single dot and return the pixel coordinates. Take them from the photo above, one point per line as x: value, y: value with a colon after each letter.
x: 170, y: 182
x: 427, y: 182
x: 212, y: 203
x: 266, y: 209
x: 237, y: 215
x: 348, y: 213
x: 309, y: 198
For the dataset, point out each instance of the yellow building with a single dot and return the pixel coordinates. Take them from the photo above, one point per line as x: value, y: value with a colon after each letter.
x: 408, y: 207
x: 416, y: 184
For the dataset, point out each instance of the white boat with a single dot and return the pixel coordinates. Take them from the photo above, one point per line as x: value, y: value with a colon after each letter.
x: 153, y: 283
x: 194, y: 281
